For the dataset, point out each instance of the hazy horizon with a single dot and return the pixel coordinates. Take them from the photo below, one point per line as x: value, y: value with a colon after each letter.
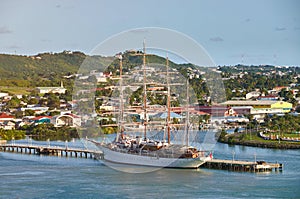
x: 232, y: 32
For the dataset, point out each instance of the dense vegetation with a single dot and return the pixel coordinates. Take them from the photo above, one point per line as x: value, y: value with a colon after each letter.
x: 48, y: 131
x: 264, y: 78
x: 41, y: 70
x: 283, y: 126
x: 287, y: 124
x: 12, y: 134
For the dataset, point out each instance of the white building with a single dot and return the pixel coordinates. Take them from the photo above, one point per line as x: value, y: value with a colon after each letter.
x: 66, y: 119
x: 7, y: 125
x: 58, y: 90
x: 36, y: 109
x: 2, y: 95
x: 253, y: 94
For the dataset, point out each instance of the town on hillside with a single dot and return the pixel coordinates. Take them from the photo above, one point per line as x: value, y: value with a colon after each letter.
x: 262, y: 100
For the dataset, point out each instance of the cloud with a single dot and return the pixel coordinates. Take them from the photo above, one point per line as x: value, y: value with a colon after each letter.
x: 5, y: 30
x: 280, y: 28
x: 46, y: 40
x: 216, y: 39
x: 13, y: 46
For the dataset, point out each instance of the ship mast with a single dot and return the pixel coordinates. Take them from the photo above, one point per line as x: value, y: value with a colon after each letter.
x: 187, y: 120
x: 145, y: 89
x: 121, y: 96
x: 168, y: 103
x: 121, y: 106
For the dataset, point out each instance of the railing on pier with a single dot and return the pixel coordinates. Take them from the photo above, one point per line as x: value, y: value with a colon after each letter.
x: 52, y: 150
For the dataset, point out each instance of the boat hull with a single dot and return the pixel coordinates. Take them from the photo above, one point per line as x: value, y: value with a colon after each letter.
x: 153, y: 161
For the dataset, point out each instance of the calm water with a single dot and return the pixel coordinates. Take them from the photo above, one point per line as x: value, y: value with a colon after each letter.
x: 30, y: 176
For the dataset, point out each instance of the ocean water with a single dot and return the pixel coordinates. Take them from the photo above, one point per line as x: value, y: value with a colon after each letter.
x: 31, y: 176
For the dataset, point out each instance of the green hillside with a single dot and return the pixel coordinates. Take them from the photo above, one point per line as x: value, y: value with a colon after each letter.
x: 27, y: 71
x: 48, y: 69
x: 45, y: 69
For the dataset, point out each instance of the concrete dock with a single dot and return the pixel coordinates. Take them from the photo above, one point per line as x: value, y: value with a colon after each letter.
x: 242, y: 166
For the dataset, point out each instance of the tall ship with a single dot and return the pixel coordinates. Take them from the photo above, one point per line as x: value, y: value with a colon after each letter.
x: 134, y: 143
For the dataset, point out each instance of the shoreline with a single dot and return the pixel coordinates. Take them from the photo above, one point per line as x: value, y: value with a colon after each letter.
x: 253, y: 143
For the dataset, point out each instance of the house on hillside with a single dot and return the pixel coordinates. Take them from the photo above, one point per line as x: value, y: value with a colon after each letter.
x: 279, y: 88
x: 41, y: 119
x: 253, y: 95
x: 268, y: 97
x: 7, y: 125
x: 37, y: 109
x: 5, y: 117
x: 3, y: 95
x: 66, y: 119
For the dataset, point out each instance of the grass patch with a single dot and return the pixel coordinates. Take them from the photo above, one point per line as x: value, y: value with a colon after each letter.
x: 13, y: 90
x: 254, y: 140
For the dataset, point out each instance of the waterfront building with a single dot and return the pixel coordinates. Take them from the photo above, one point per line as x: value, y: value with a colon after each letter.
x: 263, y: 106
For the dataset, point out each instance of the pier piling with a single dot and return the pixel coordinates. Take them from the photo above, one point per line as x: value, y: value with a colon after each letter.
x: 242, y: 166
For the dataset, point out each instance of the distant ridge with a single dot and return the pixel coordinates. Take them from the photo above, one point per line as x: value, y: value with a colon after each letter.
x: 46, y: 69
x: 24, y: 67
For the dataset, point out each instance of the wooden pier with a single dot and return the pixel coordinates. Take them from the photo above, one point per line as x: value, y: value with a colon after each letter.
x: 52, y: 150
x: 242, y: 166
x: 230, y: 165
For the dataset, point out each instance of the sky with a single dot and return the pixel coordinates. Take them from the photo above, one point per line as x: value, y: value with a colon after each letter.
x: 232, y: 31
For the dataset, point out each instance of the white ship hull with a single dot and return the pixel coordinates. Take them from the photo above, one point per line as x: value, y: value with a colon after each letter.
x: 143, y: 160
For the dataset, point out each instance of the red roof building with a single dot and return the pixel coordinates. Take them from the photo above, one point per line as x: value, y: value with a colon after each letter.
x: 6, y: 117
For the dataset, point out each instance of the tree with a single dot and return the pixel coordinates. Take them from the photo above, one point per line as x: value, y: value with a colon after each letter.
x: 29, y: 112
x: 67, y: 96
x: 33, y: 100
x: 53, y: 101
x: 34, y: 92
x: 298, y: 108
x: 18, y: 114
x: 14, y: 102
x: 250, y: 117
